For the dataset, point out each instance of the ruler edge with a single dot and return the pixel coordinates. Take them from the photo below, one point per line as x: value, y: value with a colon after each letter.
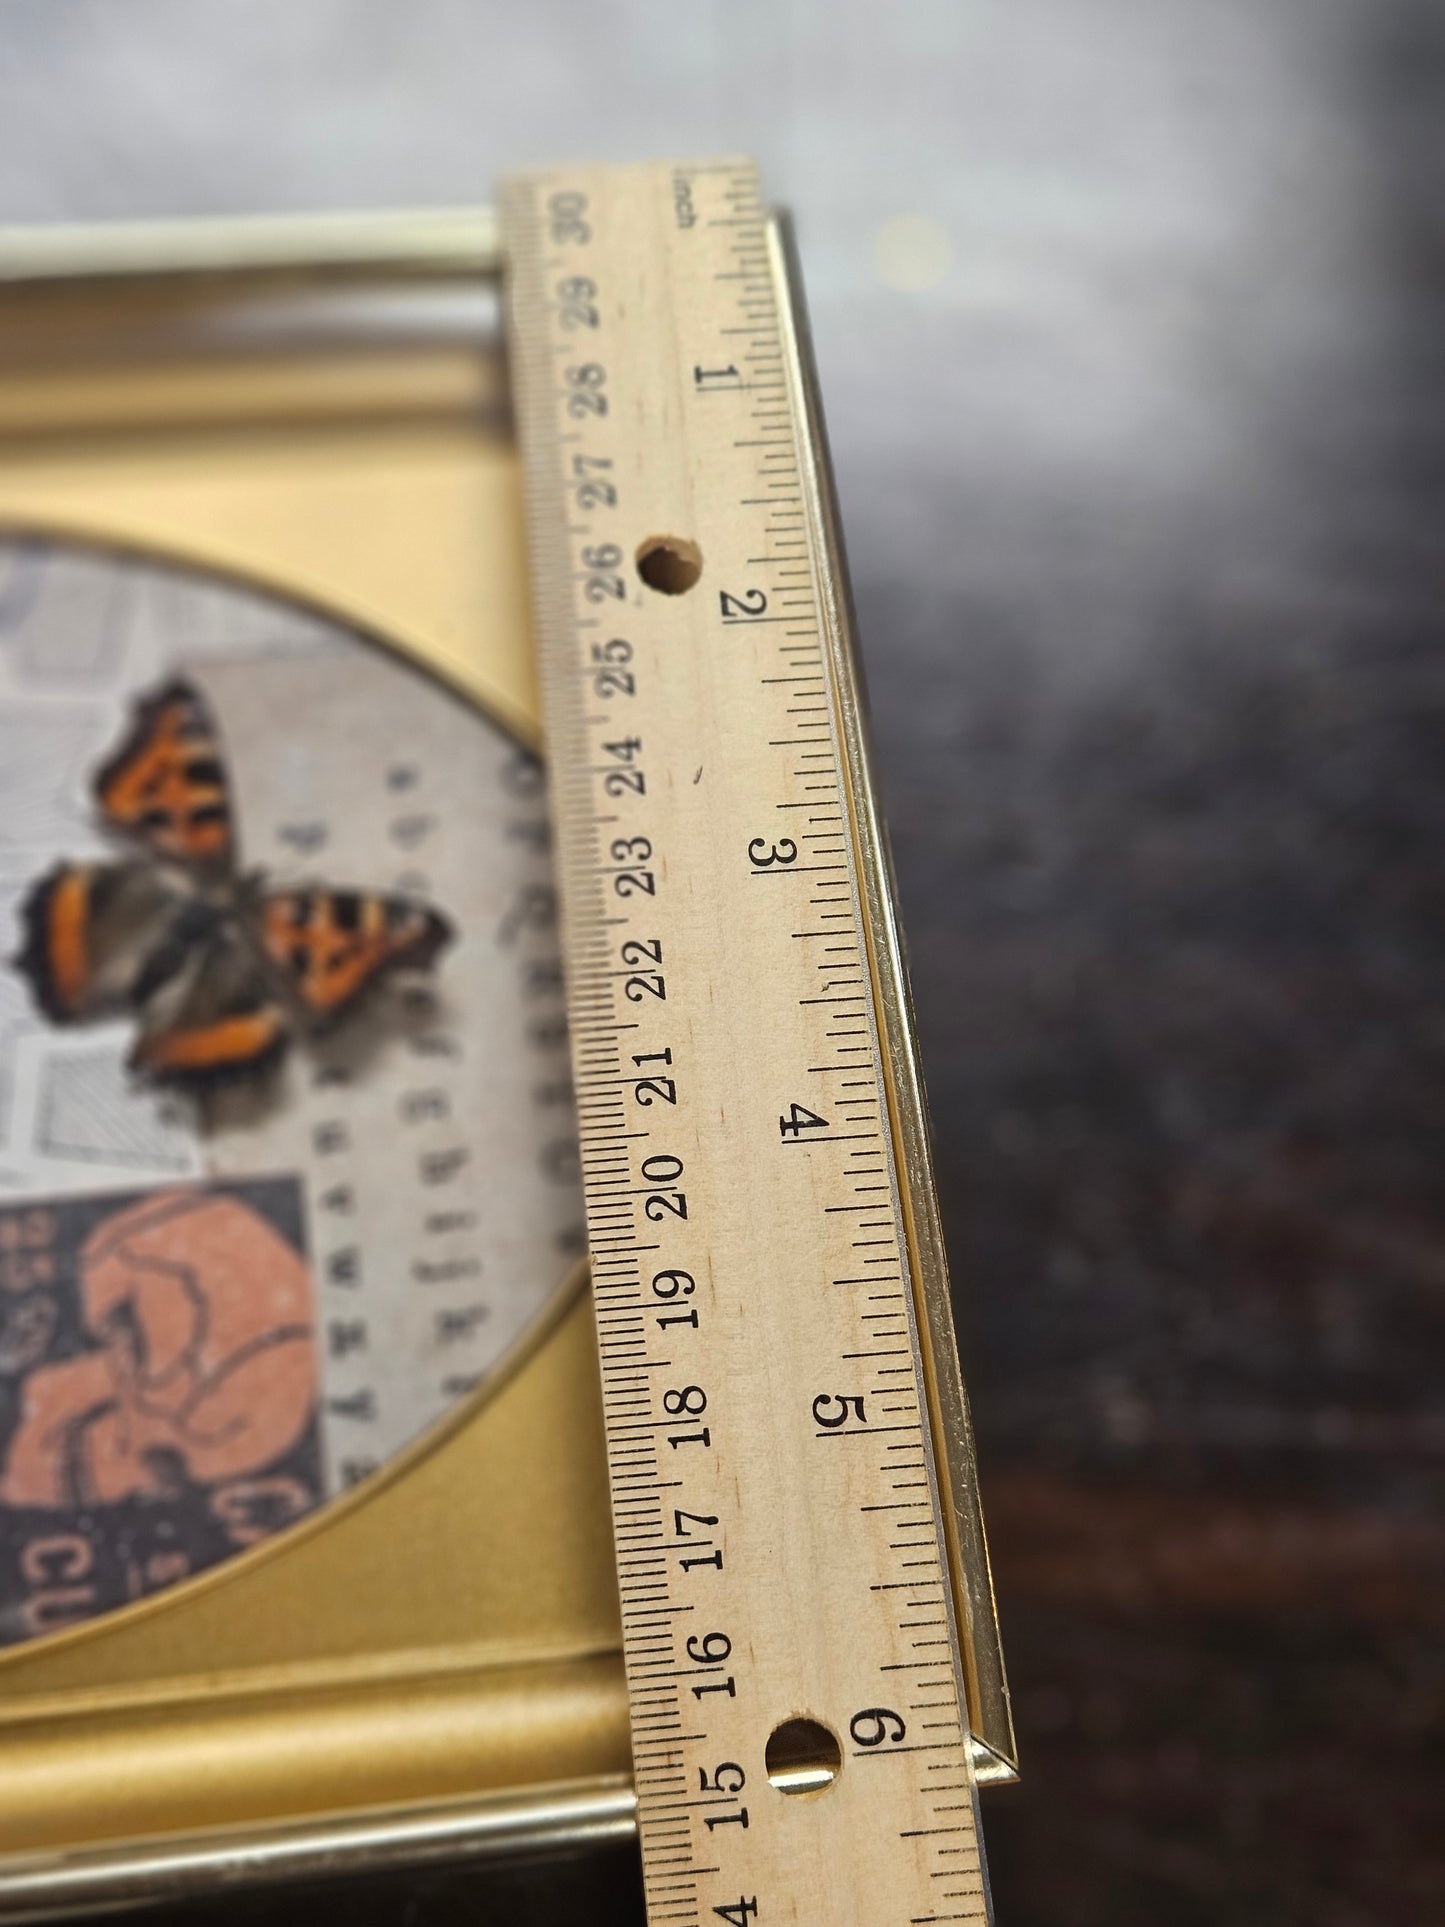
x: 990, y: 1716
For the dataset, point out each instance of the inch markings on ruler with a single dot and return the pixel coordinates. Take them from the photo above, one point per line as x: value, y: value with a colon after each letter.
x: 795, y: 1672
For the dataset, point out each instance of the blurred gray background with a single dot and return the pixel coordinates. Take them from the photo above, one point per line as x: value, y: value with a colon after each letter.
x: 1129, y: 314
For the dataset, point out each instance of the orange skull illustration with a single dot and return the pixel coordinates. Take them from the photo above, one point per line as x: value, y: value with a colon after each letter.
x: 205, y: 1368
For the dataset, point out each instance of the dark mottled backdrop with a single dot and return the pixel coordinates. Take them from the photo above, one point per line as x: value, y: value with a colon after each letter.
x: 1144, y: 497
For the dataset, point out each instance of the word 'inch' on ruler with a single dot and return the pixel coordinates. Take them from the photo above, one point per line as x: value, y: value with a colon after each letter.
x: 785, y: 1536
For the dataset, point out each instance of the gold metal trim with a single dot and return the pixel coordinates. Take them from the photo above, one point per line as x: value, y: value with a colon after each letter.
x: 989, y: 1714
x: 437, y: 241
x: 574, y: 1814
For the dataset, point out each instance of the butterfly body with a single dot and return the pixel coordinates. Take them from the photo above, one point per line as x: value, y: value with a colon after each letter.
x: 221, y: 969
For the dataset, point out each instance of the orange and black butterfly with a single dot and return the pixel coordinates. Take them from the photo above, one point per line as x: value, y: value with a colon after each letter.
x: 220, y: 969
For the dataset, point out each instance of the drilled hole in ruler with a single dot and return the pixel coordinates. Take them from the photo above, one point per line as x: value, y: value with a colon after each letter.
x: 669, y: 563
x: 802, y: 1756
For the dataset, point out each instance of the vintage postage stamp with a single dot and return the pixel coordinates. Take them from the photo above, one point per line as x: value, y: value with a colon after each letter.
x: 158, y: 1391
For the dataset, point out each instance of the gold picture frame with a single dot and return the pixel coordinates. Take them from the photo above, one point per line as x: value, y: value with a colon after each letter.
x: 318, y: 407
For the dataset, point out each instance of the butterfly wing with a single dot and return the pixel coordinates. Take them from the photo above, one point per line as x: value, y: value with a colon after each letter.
x: 166, y: 783
x: 101, y: 938
x: 331, y: 945
x: 96, y: 937
x: 215, y: 1019
x: 328, y: 946
x: 212, y: 1003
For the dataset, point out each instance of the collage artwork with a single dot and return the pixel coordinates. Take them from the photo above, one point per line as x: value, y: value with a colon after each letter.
x: 286, y: 1158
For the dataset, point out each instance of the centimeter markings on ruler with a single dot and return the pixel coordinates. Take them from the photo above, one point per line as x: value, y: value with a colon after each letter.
x: 777, y: 1516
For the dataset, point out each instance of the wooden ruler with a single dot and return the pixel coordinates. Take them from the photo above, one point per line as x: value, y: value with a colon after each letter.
x: 757, y: 1185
